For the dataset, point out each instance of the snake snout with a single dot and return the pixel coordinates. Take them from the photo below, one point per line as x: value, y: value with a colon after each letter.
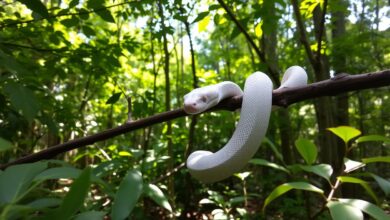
x: 191, y: 108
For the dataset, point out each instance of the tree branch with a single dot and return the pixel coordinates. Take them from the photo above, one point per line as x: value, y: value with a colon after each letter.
x: 274, y: 74
x: 340, y: 84
x: 321, y: 30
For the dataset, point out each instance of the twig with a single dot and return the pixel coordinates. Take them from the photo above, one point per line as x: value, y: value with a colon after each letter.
x: 321, y: 30
x: 274, y: 74
x: 284, y: 97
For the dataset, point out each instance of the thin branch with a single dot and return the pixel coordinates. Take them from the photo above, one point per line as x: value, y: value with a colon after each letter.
x: 340, y: 84
x: 321, y: 30
x: 302, y: 33
x: 273, y: 73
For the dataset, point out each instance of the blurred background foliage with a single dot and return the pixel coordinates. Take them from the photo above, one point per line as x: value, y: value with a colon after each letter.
x: 69, y: 67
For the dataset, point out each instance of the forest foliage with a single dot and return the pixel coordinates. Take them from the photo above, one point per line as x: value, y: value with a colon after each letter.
x: 71, y: 68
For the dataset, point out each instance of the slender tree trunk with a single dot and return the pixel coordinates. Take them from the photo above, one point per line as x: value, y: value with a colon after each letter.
x: 168, y: 134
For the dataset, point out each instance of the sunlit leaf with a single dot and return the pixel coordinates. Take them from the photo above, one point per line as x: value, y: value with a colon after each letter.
x: 202, y: 25
x: 127, y: 195
x: 307, y: 150
x: 342, y: 211
x: 364, y: 184
x: 282, y: 189
x: 258, y: 30
x: 242, y: 176
x: 369, y: 208
x: 5, y: 145
x: 351, y: 165
x: 263, y: 162
x: 367, y: 138
x: 346, y: 133
x: 385, y: 159
x: 322, y: 170
x: 155, y: 193
x: 36, y: 6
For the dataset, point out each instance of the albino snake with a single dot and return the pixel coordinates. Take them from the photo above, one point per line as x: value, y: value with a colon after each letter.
x: 256, y: 109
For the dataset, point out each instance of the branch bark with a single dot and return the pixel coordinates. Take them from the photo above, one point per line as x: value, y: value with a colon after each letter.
x: 340, y: 84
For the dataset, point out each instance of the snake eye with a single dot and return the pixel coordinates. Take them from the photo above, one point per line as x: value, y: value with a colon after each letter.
x: 203, y: 98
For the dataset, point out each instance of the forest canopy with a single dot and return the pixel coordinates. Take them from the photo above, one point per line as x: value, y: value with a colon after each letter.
x: 73, y: 68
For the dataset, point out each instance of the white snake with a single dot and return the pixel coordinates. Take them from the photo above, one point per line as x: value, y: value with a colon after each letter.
x: 256, y: 109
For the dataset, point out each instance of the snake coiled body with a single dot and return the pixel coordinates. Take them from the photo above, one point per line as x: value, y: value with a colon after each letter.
x: 256, y: 109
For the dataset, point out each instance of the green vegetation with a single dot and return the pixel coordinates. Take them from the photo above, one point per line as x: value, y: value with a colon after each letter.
x: 72, y: 68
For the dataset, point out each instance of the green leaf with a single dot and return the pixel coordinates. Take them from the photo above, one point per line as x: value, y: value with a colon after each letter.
x: 73, y: 3
x: 351, y: 165
x: 364, y: 184
x: 202, y: 25
x: 367, y: 138
x: 74, y: 199
x: 346, y: 133
x: 58, y: 172
x: 383, y: 184
x: 45, y: 203
x: 5, y: 145
x: 258, y: 30
x: 36, y: 6
x: 88, y: 31
x: 263, y: 162
x: 200, y: 16
x: 95, y: 3
x: 243, y: 175
x: 369, y: 208
x: 105, y: 15
x: 282, y: 189
x: 342, y: 211
x: 385, y: 159
x: 16, y: 180
x: 95, y: 215
x: 155, y: 193
x: 307, y: 150
x: 70, y: 22
x: 322, y: 170
x: 23, y: 99
x: 114, y: 98
x: 11, y: 64
x: 273, y: 148
x: 127, y: 195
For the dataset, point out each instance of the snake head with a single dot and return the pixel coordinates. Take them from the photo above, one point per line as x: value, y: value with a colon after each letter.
x: 200, y: 99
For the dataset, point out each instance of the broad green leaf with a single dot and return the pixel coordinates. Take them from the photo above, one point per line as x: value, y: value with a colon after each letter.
x: 74, y: 199
x: 73, y: 3
x: 383, y: 184
x: 127, y: 195
x: 351, y: 165
x: 307, y: 150
x: 369, y: 208
x: 202, y: 25
x: 263, y: 162
x: 342, y: 211
x: 346, y: 133
x: 36, y: 6
x: 95, y: 215
x: 364, y: 184
x: 5, y: 145
x: 114, y: 98
x: 155, y: 193
x: 200, y: 16
x: 238, y: 199
x: 58, y: 172
x: 367, y: 138
x: 385, y: 159
x: 11, y: 64
x: 16, y: 179
x: 105, y: 14
x: 282, y: 189
x: 273, y: 148
x: 70, y: 22
x: 95, y: 3
x: 23, y: 99
x: 45, y: 203
x: 322, y: 170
